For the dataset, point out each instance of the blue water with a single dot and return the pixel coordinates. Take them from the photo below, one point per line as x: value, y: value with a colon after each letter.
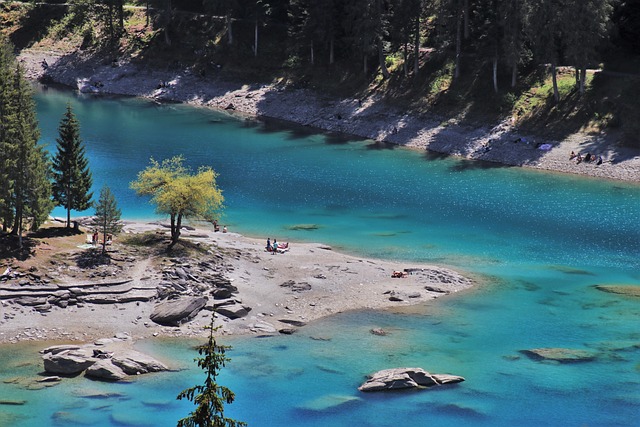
x: 543, y: 240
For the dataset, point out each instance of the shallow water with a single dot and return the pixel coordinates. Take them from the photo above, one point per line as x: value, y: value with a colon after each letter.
x: 543, y: 240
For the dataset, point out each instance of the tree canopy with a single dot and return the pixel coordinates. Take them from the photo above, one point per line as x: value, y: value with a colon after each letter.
x: 107, y: 218
x: 25, y: 189
x: 209, y: 397
x: 71, y: 176
x: 179, y: 193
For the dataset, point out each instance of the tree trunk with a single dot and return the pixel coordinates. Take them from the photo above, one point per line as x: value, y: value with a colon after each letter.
x: 172, y: 218
x: 364, y: 63
x: 104, y: 235
x: 456, y: 72
x: 583, y: 79
x: 175, y: 235
x: 381, y: 60
x: 495, y: 73
x: 577, y: 74
x: 514, y: 74
x: 405, y: 68
x: 229, y: 30
x: 255, y: 40
x: 466, y: 19
x: 167, y: 23
x: 313, y: 59
x: 331, y: 57
x: 416, y: 48
x: 146, y: 12
x: 121, y: 16
x: 556, y: 94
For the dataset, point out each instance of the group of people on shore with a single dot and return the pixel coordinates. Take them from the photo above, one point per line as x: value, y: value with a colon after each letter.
x: 587, y: 158
x: 216, y: 227
x: 276, y: 247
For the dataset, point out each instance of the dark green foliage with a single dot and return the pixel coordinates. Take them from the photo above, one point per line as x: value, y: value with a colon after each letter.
x: 107, y: 218
x: 209, y: 397
x: 71, y: 176
x: 25, y: 191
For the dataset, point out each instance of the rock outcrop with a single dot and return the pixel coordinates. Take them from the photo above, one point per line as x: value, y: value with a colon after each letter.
x: 173, y: 312
x: 106, y: 359
x: 402, y: 378
x: 67, y: 362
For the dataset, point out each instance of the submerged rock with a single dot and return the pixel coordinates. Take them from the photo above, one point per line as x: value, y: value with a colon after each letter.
x: 626, y: 290
x: 401, y: 378
x: 562, y: 355
x: 329, y: 402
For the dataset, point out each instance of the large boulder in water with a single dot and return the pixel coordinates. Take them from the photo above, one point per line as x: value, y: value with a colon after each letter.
x: 176, y: 311
x: 136, y: 363
x: 401, y: 378
x: 103, y: 369
x: 69, y: 362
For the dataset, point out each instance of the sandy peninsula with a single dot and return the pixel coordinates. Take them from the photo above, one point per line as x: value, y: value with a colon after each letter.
x: 271, y: 294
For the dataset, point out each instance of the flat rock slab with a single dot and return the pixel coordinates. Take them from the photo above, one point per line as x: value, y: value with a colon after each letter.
x: 561, y: 355
x: 176, y: 311
x: 402, y: 378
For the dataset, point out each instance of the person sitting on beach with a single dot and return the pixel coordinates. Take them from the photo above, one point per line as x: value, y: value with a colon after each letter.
x: 216, y: 227
x: 224, y: 229
x: 587, y: 158
x: 572, y: 155
x: 599, y: 161
x: 578, y: 158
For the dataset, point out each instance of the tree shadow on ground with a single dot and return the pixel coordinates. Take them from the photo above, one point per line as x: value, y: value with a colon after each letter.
x: 93, y: 257
x: 52, y: 232
x: 35, y: 23
x: 9, y: 247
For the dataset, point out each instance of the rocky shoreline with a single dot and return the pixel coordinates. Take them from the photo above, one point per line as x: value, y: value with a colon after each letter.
x: 368, y: 118
x: 70, y: 295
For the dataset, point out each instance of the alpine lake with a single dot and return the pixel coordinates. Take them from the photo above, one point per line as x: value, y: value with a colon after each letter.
x: 542, y: 241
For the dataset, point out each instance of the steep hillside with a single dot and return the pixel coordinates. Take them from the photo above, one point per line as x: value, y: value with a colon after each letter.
x: 197, y: 41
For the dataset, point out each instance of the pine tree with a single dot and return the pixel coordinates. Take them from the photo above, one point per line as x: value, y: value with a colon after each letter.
x: 209, y: 397
x: 7, y: 157
x: 107, y: 218
x: 71, y: 176
x: 30, y: 169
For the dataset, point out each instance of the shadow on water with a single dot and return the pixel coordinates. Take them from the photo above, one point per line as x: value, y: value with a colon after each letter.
x: 336, y: 139
x: 467, y: 165
x: 379, y: 146
x: 435, y: 155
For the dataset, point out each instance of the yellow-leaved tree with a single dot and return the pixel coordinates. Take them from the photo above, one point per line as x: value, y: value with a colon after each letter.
x: 179, y: 193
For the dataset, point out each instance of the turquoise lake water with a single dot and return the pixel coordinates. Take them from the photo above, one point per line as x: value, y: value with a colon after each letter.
x: 544, y: 240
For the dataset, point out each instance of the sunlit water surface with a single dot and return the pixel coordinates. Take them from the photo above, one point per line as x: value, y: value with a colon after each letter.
x: 543, y: 240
